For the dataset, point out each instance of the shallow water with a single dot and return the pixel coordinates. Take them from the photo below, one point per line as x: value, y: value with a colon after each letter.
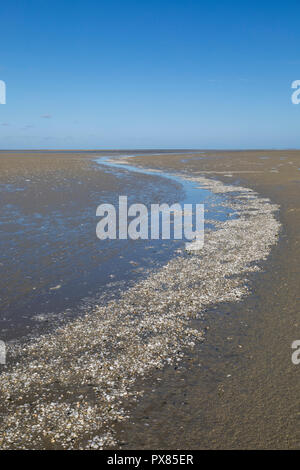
x: 193, y: 194
x: 53, y: 266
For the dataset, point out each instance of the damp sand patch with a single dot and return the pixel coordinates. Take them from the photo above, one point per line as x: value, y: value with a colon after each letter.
x: 67, y: 389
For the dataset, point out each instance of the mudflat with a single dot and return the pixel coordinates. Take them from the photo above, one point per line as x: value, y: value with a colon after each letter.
x: 240, y: 388
x: 50, y: 256
x: 236, y: 389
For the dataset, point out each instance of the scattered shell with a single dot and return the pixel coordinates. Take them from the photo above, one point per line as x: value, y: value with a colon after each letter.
x: 67, y: 389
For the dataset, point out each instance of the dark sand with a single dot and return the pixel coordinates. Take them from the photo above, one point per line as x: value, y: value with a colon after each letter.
x: 239, y: 388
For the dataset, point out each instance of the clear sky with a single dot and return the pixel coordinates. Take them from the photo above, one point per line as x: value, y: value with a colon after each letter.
x: 157, y: 74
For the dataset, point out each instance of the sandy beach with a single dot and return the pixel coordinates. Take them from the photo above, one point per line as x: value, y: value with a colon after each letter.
x: 201, y: 356
x: 51, y: 258
x: 240, y: 390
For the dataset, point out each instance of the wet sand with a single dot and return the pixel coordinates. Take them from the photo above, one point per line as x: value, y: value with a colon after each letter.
x: 238, y: 388
x: 51, y: 258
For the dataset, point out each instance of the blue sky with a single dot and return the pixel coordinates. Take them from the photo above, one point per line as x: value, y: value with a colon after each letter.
x: 156, y: 74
